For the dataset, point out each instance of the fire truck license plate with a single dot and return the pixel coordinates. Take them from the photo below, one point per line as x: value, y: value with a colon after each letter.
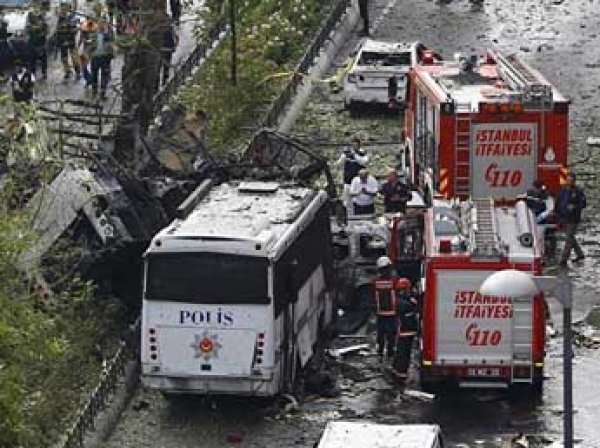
x: 483, y: 372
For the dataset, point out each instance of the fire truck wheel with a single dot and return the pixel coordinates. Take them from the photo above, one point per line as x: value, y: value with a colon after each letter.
x: 535, y: 390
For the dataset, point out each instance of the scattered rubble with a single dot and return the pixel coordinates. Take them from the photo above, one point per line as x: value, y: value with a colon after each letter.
x: 423, y: 396
x: 339, y: 352
x: 593, y: 141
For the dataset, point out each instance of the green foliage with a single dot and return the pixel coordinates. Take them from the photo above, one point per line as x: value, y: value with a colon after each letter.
x: 272, y: 36
x: 49, y: 350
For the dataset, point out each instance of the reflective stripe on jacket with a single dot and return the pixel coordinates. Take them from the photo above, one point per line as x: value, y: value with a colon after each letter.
x: 386, y: 301
x: 408, y: 316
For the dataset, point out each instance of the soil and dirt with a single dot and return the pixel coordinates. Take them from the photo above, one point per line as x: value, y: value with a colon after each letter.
x: 560, y: 39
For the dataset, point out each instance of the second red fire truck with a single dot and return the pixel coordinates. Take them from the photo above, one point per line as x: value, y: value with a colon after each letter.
x: 484, y: 127
x: 467, y: 338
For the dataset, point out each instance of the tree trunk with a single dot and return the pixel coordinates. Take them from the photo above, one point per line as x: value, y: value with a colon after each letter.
x: 140, y: 76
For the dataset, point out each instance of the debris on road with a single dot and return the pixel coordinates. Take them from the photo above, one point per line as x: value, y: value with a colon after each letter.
x: 235, y: 437
x: 519, y: 441
x: 593, y: 141
x: 423, y: 396
x: 321, y: 384
x: 339, y: 352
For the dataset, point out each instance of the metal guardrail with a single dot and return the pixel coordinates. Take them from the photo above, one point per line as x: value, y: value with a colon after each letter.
x: 280, y: 103
x: 112, y: 372
x: 180, y: 75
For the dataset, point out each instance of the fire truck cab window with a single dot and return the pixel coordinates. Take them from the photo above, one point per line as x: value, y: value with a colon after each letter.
x: 207, y: 278
x: 384, y: 59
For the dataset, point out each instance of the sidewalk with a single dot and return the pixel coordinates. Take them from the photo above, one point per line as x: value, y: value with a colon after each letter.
x: 55, y: 87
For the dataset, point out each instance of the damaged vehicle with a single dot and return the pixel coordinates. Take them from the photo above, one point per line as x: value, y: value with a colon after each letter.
x: 378, y: 71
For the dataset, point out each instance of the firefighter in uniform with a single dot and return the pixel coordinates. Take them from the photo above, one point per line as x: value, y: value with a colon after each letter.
x: 408, y: 326
x: 385, y: 307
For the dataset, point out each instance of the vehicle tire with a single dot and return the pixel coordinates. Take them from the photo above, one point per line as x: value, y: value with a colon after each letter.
x: 353, y: 108
x: 537, y: 388
x: 528, y: 391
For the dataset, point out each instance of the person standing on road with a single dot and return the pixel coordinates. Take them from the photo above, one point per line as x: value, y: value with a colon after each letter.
x: 170, y: 42
x: 175, y: 6
x: 395, y: 193
x: 22, y: 83
x: 363, y: 190
x: 408, y: 326
x: 536, y: 198
x: 37, y: 33
x: 352, y: 159
x: 386, y: 304
x: 570, y: 203
x: 363, y: 9
x: 86, y: 30
x: 66, y: 32
x: 101, y: 52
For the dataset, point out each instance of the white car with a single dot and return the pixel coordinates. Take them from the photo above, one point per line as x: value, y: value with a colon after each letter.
x: 359, y: 434
x: 374, y: 63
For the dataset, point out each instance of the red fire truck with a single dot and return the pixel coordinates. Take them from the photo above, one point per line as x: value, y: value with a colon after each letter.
x: 484, y: 127
x: 466, y: 338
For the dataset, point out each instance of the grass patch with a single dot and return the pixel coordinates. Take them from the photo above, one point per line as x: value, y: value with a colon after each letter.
x: 272, y: 37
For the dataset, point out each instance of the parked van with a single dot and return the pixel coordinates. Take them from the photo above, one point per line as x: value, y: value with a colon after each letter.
x: 374, y: 435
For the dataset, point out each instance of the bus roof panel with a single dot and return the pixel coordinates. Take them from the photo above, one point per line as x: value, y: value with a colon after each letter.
x: 229, y: 214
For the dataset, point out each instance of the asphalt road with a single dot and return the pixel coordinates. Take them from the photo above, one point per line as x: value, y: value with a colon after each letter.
x: 558, y: 37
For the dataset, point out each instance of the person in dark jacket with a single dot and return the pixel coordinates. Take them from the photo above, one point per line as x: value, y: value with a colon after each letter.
x: 408, y: 327
x: 363, y: 9
x: 570, y: 203
x: 170, y: 41
x: 385, y: 304
x: 22, y: 83
x: 536, y: 198
x: 37, y: 34
x: 353, y: 159
x: 175, y: 6
x: 395, y: 193
x: 101, y: 52
x: 66, y: 32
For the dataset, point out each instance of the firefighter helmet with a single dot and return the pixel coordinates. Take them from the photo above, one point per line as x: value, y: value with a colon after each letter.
x: 383, y: 262
x: 403, y: 283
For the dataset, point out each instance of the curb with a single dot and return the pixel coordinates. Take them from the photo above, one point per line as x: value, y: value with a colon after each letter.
x: 107, y: 422
x: 335, y: 41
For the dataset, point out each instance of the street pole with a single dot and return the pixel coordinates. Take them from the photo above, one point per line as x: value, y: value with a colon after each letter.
x: 564, y: 287
x: 233, y: 43
x: 517, y: 283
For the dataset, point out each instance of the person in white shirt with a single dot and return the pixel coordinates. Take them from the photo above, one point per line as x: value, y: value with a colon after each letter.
x: 352, y: 159
x: 363, y: 190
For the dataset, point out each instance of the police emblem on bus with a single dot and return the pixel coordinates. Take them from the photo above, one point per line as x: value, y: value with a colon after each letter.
x: 206, y: 346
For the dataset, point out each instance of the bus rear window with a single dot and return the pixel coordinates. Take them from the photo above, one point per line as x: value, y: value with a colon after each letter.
x: 207, y: 278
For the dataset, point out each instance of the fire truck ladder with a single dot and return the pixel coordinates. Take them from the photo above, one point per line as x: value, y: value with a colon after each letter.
x: 462, y: 156
x: 522, y: 339
x: 521, y: 79
x: 485, y: 236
